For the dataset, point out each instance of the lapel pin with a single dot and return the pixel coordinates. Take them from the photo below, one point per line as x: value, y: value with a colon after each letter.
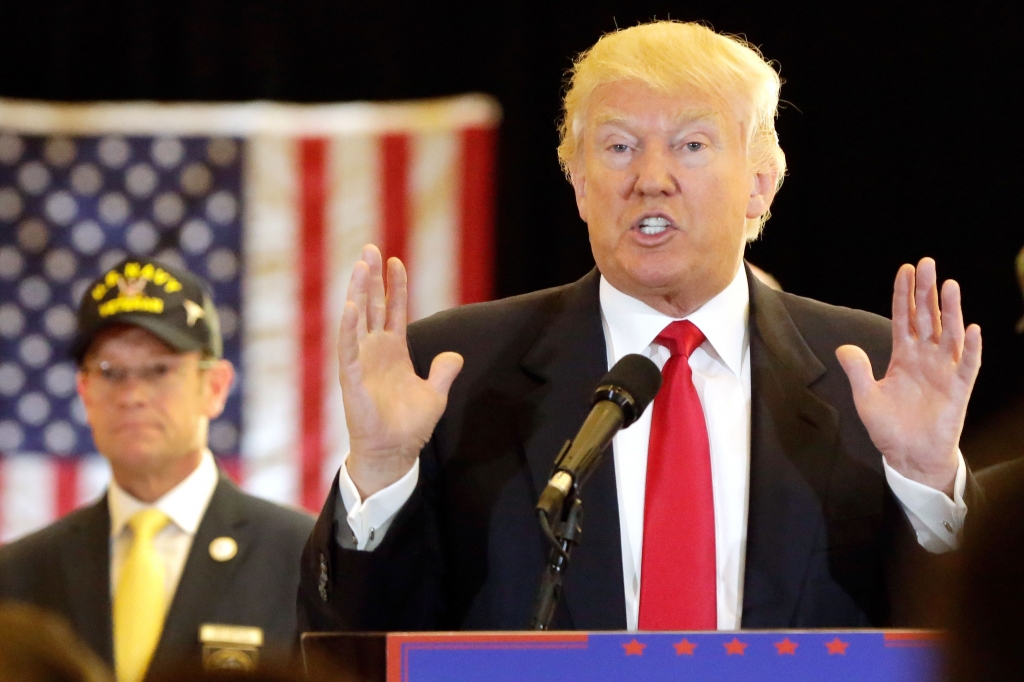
x: 223, y: 549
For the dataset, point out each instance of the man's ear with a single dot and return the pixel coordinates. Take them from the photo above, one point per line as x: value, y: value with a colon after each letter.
x: 579, y: 187
x: 81, y: 381
x: 762, y: 193
x: 219, y: 378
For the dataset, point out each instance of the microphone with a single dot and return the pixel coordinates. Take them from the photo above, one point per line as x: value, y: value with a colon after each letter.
x: 623, y: 395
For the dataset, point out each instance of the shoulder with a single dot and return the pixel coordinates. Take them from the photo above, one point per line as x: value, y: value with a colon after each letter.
x: 514, y: 312
x: 506, y: 326
x: 37, y: 548
x: 825, y: 326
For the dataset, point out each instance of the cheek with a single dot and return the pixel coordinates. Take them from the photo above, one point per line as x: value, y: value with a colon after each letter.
x: 722, y: 201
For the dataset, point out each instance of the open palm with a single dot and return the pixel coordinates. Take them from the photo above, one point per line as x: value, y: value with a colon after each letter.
x: 915, y: 413
x: 389, y: 410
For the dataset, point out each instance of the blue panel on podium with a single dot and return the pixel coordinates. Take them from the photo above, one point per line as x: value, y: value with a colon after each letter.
x: 795, y: 656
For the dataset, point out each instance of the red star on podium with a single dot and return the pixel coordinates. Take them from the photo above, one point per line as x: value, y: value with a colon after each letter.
x: 634, y: 648
x: 786, y: 647
x: 837, y: 646
x: 684, y: 647
x: 734, y: 647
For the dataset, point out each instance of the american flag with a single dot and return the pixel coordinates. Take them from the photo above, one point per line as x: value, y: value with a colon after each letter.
x: 270, y: 203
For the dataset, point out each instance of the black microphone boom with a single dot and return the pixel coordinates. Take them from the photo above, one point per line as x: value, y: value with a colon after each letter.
x: 624, y: 393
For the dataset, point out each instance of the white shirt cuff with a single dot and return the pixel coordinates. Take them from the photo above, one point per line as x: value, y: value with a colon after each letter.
x: 936, y: 519
x: 369, y: 519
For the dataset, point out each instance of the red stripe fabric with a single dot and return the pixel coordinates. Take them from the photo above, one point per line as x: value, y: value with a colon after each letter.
x: 66, y: 484
x: 394, y: 193
x: 232, y: 466
x: 476, y: 215
x: 312, y: 268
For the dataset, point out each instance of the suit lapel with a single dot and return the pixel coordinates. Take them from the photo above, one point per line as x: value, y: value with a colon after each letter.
x: 204, y: 580
x: 85, y: 563
x: 567, y: 360
x: 794, y: 436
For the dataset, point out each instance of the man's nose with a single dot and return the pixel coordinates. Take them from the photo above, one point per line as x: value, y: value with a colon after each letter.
x: 132, y: 390
x: 654, y: 172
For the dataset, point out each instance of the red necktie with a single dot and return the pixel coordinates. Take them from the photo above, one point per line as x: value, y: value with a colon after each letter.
x: 678, y: 589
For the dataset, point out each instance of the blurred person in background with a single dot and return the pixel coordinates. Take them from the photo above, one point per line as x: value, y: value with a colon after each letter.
x: 173, y: 544
x: 38, y: 646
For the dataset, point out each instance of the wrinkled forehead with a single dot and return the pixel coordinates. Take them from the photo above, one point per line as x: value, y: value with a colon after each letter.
x: 671, y: 118
x: 630, y: 104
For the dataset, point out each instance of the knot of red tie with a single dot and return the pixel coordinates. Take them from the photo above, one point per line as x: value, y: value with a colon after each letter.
x: 681, y: 338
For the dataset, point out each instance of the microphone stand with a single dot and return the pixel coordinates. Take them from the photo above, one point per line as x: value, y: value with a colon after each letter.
x: 562, y: 538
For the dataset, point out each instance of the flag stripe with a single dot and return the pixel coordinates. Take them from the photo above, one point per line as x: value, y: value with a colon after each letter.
x: 433, y: 240
x: 395, y: 195
x: 476, y: 216
x: 28, y: 494
x: 271, y: 311
x: 312, y: 268
x: 67, y: 485
x: 354, y: 209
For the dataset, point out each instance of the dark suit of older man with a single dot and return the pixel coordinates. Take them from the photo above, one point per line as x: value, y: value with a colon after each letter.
x: 66, y: 568
x: 827, y: 544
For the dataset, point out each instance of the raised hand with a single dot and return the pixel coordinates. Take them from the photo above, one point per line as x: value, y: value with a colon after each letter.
x: 915, y: 413
x: 389, y: 410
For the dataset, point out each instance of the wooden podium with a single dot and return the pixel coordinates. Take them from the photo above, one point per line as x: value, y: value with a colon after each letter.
x: 748, y: 655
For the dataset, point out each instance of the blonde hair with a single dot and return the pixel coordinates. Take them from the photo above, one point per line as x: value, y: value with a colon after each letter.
x: 670, y: 56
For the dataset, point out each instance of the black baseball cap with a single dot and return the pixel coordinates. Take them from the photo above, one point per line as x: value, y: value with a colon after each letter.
x: 171, y: 303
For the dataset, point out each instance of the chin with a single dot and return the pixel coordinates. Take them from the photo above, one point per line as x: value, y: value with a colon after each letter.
x: 655, y: 273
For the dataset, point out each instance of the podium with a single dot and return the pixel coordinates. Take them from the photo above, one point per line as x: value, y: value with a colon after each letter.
x: 747, y: 655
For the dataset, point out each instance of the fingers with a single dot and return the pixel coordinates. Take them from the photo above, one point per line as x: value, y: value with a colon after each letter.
x: 926, y: 301
x: 857, y: 366
x: 375, y: 288
x: 443, y: 370
x: 970, y: 362
x: 357, y: 295
x: 952, y: 339
x: 903, y: 305
x: 398, y: 297
x: 348, y: 338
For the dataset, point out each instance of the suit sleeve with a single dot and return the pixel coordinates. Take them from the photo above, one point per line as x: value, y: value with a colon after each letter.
x: 396, y: 586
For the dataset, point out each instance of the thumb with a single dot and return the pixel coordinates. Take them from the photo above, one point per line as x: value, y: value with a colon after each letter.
x: 443, y: 370
x: 858, y: 370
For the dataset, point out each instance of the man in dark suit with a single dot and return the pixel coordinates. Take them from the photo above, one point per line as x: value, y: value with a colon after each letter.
x: 788, y: 500
x: 174, y: 544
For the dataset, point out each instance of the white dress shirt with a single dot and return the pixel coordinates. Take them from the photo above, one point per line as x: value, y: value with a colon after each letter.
x: 721, y: 376
x: 184, y: 505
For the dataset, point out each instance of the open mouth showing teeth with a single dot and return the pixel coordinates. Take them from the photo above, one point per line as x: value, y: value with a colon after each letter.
x: 652, y: 226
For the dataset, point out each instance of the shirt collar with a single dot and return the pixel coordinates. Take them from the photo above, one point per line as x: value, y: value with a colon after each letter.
x: 633, y: 325
x: 184, y: 504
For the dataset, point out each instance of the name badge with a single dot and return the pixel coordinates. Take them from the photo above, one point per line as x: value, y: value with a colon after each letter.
x: 230, y: 647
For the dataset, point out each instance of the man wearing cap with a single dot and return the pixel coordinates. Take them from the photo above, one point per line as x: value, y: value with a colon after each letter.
x: 174, y: 544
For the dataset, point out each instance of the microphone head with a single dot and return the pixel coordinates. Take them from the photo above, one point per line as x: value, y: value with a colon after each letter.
x: 632, y: 383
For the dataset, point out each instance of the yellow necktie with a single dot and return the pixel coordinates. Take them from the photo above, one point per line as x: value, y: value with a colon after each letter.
x: 139, y: 603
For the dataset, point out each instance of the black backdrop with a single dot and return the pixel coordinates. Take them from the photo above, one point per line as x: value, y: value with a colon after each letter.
x: 902, y: 127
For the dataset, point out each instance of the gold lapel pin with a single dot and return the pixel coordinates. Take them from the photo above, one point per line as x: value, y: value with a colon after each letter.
x: 223, y: 549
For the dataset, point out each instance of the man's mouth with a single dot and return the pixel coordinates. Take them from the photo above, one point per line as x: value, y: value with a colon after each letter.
x: 653, y: 225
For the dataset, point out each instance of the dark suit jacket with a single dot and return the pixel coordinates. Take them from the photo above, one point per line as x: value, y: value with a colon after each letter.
x: 827, y: 543
x: 65, y: 567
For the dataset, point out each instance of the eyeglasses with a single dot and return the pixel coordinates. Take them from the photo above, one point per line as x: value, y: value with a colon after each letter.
x: 156, y: 374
